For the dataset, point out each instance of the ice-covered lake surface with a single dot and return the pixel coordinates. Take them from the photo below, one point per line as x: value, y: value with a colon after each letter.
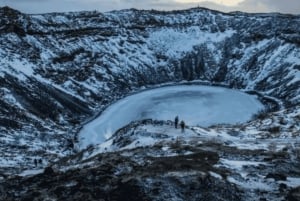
x: 195, y: 104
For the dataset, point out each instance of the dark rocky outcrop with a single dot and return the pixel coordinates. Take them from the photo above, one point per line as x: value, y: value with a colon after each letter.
x: 119, y: 178
x: 294, y: 195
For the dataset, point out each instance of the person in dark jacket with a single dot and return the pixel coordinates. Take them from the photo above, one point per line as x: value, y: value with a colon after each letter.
x: 182, y: 125
x: 176, y: 121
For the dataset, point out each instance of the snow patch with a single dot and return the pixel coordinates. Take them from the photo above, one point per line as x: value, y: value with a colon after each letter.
x: 176, y: 42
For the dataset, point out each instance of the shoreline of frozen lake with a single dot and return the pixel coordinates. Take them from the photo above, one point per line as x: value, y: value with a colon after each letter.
x: 195, y: 104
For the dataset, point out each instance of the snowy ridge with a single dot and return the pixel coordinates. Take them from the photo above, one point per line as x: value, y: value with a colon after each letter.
x: 253, y: 174
x: 253, y: 156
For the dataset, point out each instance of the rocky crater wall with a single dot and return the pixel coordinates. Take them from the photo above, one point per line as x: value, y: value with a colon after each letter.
x: 58, y: 70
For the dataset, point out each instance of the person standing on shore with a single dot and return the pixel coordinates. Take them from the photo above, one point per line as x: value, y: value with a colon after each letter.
x: 176, y: 121
x: 182, y: 125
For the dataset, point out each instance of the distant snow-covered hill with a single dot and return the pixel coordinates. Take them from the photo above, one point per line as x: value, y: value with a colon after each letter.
x: 58, y: 70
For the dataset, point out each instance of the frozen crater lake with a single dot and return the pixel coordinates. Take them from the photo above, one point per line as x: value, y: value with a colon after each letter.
x: 195, y: 104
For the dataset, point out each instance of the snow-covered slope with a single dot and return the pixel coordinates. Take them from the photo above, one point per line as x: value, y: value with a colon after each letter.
x: 151, y: 160
x: 59, y: 70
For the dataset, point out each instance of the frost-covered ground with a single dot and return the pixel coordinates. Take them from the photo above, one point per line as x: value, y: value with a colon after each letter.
x: 196, y: 105
x: 261, y: 156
